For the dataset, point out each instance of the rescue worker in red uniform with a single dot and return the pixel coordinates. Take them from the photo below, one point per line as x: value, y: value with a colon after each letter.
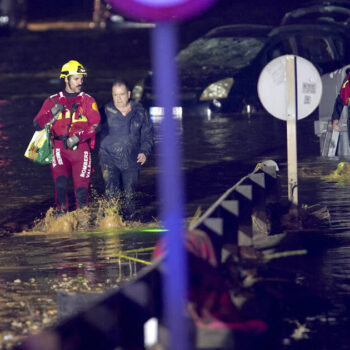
x: 343, y: 99
x: 74, y: 116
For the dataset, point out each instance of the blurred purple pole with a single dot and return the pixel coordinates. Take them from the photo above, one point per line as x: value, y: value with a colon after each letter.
x: 170, y: 183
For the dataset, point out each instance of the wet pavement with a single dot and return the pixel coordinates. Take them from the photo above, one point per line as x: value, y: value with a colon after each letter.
x: 217, y: 152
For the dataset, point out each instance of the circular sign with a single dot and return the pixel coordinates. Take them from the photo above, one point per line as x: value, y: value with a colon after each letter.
x: 161, y: 10
x: 288, y: 83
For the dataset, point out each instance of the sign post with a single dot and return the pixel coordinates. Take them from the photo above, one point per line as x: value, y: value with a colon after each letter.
x: 292, y: 101
x: 290, y: 88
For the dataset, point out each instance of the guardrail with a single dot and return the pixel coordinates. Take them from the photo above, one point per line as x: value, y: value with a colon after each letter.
x: 117, y: 318
x: 239, y: 215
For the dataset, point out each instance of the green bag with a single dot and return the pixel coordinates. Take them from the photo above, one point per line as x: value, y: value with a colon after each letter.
x: 39, y: 149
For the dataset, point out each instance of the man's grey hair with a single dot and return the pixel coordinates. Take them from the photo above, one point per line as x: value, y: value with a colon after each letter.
x: 119, y: 82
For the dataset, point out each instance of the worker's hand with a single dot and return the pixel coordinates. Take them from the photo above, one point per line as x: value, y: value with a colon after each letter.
x: 56, y: 109
x: 72, y: 141
x: 141, y: 158
x: 335, y: 125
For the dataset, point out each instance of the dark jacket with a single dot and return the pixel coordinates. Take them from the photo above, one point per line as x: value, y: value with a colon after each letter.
x: 123, y: 138
x: 337, y: 109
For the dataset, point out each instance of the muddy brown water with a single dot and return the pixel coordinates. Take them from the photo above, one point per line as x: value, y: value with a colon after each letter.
x: 217, y: 152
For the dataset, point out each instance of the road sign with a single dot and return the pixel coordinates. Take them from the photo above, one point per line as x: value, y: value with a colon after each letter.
x: 161, y: 10
x: 273, y: 82
x: 290, y: 88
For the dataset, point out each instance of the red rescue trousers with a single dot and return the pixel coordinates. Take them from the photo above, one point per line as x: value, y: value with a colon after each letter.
x: 76, y: 162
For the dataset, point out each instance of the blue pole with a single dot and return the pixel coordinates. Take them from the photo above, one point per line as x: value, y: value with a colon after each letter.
x: 170, y: 184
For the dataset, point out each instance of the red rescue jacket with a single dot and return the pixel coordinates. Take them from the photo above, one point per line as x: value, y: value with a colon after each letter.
x: 80, y: 116
x: 345, y: 90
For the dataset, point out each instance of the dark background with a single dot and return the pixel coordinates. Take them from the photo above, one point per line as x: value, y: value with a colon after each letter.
x: 224, y: 11
x: 269, y: 12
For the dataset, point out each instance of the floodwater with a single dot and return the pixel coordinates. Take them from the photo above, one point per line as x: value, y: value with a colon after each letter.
x: 217, y: 152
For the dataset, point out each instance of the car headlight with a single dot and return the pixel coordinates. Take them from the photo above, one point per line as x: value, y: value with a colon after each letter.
x: 4, y: 20
x: 217, y: 90
x: 116, y: 18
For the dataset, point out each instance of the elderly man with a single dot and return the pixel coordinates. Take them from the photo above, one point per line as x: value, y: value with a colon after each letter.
x: 126, y: 144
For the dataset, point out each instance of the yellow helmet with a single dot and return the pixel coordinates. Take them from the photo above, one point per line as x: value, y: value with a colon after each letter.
x: 72, y: 67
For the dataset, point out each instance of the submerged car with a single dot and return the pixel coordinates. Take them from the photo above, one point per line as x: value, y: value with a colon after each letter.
x: 318, y: 13
x: 208, y: 65
x: 218, y: 72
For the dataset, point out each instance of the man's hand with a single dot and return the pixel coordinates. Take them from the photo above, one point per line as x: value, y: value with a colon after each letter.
x: 57, y: 108
x: 335, y: 125
x: 72, y: 141
x: 141, y: 158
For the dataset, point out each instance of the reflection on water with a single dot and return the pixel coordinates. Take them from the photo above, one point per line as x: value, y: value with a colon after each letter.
x: 34, y: 267
x: 326, y: 267
x: 217, y: 152
x: 77, y: 252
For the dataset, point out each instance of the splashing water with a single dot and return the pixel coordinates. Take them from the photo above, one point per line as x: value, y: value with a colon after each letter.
x: 100, y: 215
x: 108, y: 215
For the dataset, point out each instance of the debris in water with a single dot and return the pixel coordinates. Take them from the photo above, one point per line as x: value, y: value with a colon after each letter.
x: 284, y: 218
x: 341, y: 174
x: 301, y: 332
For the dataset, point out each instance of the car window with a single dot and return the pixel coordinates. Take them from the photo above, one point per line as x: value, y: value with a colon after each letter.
x: 340, y: 47
x: 281, y: 47
x: 316, y: 49
x: 230, y: 52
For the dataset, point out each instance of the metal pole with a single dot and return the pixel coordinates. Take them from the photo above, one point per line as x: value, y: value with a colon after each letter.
x: 292, y: 116
x: 170, y: 185
x: 96, y: 15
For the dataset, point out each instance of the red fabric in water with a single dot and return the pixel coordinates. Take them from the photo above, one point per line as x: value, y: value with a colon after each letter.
x: 210, y: 303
